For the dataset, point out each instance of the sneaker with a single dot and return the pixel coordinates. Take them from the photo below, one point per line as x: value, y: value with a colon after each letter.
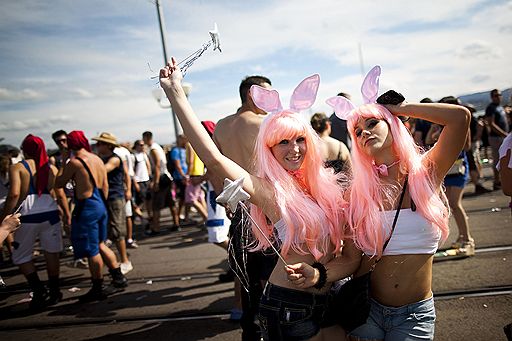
x: 39, y: 300
x: 126, y: 267
x: 81, y: 263
x: 54, y: 297
x: 132, y: 244
x: 118, y: 279
x: 235, y: 314
x: 94, y: 294
x: 67, y: 251
x: 176, y: 228
x: 151, y: 233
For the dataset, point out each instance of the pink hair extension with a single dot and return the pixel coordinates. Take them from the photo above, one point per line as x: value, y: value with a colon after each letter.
x: 367, y: 191
x: 312, y: 206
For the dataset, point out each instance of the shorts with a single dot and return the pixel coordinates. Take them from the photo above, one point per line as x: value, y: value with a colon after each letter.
x: 458, y: 180
x: 193, y: 193
x: 258, y: 264
x: 179, y: 188
x: 50, y: 238
x: 128, y: 209
x: 218, y: 230
x: 287, y: 314
x: 415, y: 321
x: 143, y: 193
x: 116, y: 228
x: 88, y: 226
x: 162, y: 197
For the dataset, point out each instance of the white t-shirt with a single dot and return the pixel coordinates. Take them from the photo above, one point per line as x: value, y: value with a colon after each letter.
x: 141, y: 170
x: 127, y: 157
x: 163, y: 159
x: 506, y: 145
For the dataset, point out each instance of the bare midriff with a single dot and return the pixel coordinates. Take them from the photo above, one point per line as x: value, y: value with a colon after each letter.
x: 400, y: 280
x: 279, y: 274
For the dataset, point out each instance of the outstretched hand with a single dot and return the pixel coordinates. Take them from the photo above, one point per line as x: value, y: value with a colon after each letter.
x: 170, y: 75
x: 302, y: 275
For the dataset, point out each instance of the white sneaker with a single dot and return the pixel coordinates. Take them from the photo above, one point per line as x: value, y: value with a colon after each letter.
x: 81, y: 263
x: 126, y: 267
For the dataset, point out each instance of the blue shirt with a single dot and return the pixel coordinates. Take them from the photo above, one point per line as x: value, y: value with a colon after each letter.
x: 179, y: 154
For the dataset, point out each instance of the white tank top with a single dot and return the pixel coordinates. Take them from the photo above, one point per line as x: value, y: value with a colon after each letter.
x: 141, y: 170
x: 413, y: 234
x: 163, y: 159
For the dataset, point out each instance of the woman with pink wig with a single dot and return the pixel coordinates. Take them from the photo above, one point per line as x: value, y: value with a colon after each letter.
x: 291, y: 193
x: 398, y: 214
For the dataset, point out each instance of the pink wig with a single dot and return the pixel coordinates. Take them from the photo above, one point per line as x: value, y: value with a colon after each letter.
x: 310, y: 202
x: 367, y: 191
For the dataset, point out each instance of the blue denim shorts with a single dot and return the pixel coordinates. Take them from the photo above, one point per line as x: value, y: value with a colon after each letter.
x: 414, y: 321
x: 287, y: 314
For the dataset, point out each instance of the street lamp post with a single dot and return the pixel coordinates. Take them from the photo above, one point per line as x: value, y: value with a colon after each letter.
x: 166, y: 60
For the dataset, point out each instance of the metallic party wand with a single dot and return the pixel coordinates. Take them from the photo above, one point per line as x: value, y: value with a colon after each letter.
x: 190, y: 59
x: 232, y: 195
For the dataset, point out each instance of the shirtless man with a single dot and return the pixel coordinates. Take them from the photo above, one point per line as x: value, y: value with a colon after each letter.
x: 239, y: 147
x: 31, y: 189
x: 89, y: 222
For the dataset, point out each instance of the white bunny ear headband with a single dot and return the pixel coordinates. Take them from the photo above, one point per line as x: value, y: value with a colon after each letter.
x: 302, y: 98
x: 369, y: 89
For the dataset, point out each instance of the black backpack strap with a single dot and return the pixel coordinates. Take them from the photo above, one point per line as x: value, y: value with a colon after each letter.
x: 88, y: 171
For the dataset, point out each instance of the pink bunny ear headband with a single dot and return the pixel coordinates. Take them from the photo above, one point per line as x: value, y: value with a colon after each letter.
x: 302, y: 98
x: 343, y: 107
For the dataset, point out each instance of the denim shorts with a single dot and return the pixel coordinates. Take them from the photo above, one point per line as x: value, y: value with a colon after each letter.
x: 414, y: 321
x: 287, y: 314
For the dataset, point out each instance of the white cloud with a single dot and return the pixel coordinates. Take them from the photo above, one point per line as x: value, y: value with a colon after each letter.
x: 20, y: 95
x: 34, y: 123
x: 88, y: 59
x: 480, y: 50
x: 82, y: 93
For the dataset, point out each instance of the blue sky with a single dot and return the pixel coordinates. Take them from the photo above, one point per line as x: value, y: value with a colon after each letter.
x: 84, y: 64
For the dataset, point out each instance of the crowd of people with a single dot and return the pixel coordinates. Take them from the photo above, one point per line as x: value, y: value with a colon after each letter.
x: 367, y: 190
x: 386, y: 210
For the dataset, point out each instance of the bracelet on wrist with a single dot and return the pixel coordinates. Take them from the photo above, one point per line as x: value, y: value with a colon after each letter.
x: 322, y: 278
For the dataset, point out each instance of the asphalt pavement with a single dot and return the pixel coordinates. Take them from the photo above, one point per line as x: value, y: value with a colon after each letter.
x: 174, y: 292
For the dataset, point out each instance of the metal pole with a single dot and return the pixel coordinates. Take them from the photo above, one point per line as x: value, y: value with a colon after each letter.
x: 166, y: 59
x: 361, y: 61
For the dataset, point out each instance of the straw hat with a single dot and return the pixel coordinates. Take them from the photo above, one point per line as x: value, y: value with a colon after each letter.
x: 107, y: 138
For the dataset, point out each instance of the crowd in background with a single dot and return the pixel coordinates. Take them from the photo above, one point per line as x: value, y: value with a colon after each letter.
x: 144, y: 177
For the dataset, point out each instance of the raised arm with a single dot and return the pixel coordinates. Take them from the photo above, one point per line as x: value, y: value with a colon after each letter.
x: 455, y: 121
x: 170, y: 80
x: 14, y: 191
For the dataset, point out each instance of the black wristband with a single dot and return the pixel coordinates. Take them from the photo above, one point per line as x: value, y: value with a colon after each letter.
x: 323, y: 275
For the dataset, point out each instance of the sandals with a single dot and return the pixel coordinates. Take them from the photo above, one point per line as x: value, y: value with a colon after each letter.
x: 464, y: 247
x: 460, y: 242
